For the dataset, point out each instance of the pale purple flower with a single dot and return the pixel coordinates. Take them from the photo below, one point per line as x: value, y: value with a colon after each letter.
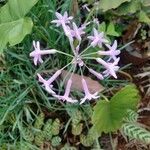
x: 96, y: 21
x: 68, y: 32
x: 97, y: 39
x: 111, y: 68
x: 85, y: 6
x: 37, y: 53
x: 84, y: 25
x: 48, y: 83
x: 77, y: 32
x: 62, y: 19
x: 112, y: 52
x: 66, y: 97
x: 88, y: 95
x: 55, y: 75
x: 73, y: 33
x: 98, y: 75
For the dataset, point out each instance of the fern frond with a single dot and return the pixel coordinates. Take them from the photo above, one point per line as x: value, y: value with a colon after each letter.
x: 56, y: 141
x: 76, y: 117
x: 134, y: 131
x: 132, y: 116
x: 39, y: 139
x: 68, y: 147
x: 47, y: 130
x: 4, y: 147
x: 39, y: 121
x: 56, y: 127
x: 28, y: 135
x: 87, y: 141
x: 77, y: 129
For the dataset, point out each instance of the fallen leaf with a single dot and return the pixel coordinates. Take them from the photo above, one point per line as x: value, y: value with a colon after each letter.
x: 94, y: 86
x: 147, y: 46
x: 131, y: 31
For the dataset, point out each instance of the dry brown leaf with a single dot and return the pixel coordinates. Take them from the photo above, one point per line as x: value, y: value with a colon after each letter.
x: 131, y: 31
x: 147, y: 46
x: 94, y: 86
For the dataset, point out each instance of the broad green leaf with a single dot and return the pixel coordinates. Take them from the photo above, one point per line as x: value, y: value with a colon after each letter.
x: 14, y: 32
x: 15, y: 9
x: 107, y: 4
x: 111, y: 30
x: 129, y: 7
x: 14, y: 26
x: 143, y: 17
x: 108, y: 29
x: 102, y: 27
x: 108, y: 115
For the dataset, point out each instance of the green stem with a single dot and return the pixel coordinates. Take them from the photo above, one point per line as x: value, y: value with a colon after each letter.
x: 111, y: 141
x: 105, y: 98
x: 89, y: 54
x: 89, y: 58
x: 65, y: 53
x: 85, y: 50
x: 90, y: 14
x: 126, y: 45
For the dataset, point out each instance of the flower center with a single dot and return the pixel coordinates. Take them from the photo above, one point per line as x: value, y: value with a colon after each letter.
x: 78, y: 60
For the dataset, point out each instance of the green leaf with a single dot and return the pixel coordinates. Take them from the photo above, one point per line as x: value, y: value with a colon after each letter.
x: 131, y: 116
x: 129, y: 7
x: 14, y: 32
x: 14, y: 26
x: 111, y: 30
x: 108, y: 115
x: 102, y: 27
x: 15, y: 9
x: 134, y: 131
x: 145, y: 2
x: 143, y: 17
x: 107, y: 5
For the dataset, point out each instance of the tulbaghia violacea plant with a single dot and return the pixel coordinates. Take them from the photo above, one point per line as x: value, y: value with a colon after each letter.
x: 96, y: 40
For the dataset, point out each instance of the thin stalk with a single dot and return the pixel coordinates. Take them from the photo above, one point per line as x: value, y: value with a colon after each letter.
x: 62, y: 83
x: 90, y: 14
x: 89, y: 58
x: 126, y: 45
x: 111, y: 141
x: 85, y: 50
x: 65, y: 53
x: 70, y: 41
x: 89, y: 54
x: 67, y: 65
x: 72, y: 47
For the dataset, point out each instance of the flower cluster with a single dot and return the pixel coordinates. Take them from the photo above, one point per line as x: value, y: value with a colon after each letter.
x: 97, y: 40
